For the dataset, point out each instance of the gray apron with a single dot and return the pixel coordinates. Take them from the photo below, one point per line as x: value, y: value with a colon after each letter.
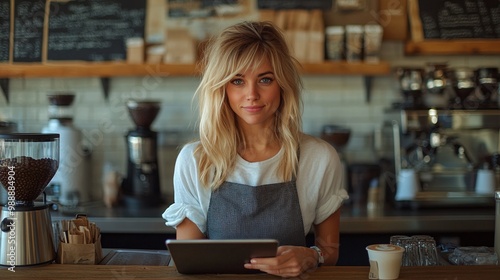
x: 238, y: 211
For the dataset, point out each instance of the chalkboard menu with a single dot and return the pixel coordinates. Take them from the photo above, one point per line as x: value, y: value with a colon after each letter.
x: 93, y: 30
x: 29, y: 17
x: 294, y: 4
x: 455, y: 19
x: 4, y: 30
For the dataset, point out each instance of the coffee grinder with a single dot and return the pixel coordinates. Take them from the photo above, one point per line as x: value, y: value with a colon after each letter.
x: 69, y: 185
x: 487, y: 81
x: 463, y: 81
x: 411, y: 81
x: 141, y: 187
x: 338, y: 137
x: 27, y: 164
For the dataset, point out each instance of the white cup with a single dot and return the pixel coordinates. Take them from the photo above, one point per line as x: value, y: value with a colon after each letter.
x: 335, y: 42
x: 385, y: 261
x: 408, y: 185
x: 485, y: 182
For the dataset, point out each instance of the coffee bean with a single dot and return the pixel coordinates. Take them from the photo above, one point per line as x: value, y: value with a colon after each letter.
x: 31, y: 176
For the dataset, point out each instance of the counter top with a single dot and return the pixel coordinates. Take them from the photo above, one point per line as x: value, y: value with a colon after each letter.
x: 123, y: 220
x: 59, y: 271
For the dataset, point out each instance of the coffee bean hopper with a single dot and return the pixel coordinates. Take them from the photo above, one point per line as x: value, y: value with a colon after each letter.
x: 27, y: 164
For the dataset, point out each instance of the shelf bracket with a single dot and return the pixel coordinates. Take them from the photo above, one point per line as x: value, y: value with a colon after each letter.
x: 368, y: 87
x: 4, y: 84
x: 105, y: 81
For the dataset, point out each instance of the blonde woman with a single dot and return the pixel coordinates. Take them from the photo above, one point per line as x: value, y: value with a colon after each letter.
x: 253, y: 173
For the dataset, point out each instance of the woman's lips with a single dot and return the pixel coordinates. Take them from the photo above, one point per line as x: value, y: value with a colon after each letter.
x: 253, y: 109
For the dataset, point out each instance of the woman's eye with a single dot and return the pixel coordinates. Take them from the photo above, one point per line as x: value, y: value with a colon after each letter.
x: 237, y: 82
x: 266, y: 80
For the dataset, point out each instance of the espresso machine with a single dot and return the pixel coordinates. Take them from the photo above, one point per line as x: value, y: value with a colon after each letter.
x: 448, y: 146
x: 446, y: 149
x: 141, y: 187
x: 27, y: 164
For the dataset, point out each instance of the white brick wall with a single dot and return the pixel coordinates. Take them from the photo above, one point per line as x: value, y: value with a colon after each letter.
x: 327, y: 100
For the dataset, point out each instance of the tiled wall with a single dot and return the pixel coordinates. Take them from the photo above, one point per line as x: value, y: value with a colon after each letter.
x: 328, y: 99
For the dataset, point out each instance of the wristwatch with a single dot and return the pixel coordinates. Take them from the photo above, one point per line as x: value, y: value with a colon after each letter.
x: 321, y: 259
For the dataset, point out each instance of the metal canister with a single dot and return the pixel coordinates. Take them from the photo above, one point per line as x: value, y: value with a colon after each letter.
x: 497, y: 223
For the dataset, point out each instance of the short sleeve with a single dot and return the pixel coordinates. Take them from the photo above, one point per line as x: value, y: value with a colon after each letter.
x: 320, y: 180
x: 332, y: 193
x: 190, y: 198
x: 177, y: 212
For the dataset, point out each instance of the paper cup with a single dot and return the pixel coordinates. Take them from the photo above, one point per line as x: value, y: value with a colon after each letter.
x: 385, y: 261
x: 485, y: 182
x: 407, y: 185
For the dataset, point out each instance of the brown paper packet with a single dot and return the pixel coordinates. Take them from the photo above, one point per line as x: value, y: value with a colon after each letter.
x: 69, y: 253
x: 81, y: 243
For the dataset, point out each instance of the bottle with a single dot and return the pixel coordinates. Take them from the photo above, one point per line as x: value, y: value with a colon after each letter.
x: 375, y: 197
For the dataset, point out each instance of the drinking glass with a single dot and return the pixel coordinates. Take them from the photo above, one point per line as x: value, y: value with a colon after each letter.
x: 427, y: 250
x: 410, y: 255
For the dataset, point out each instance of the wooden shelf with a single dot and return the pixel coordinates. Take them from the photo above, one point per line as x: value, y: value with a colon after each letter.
x: 119, y: 69
x: 106, y: 70
x: 93, y: 69
x: 453, y: 47
x: 345, y: 68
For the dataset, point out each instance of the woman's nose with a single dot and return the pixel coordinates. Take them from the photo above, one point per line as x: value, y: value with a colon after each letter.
x: 252, y: 92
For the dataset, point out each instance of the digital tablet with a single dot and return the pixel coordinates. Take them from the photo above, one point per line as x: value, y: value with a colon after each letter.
x: 211, y: 256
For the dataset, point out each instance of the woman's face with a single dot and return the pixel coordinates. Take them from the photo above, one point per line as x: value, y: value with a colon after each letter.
x: 254, y: 95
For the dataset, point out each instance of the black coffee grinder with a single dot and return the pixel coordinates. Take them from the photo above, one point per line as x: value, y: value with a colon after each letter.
x: 141, y: 187
x: 487, y: 81
x: 411, y: 83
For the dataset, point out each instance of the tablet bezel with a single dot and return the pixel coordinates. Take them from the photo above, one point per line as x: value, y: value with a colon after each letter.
x: 216, y: 256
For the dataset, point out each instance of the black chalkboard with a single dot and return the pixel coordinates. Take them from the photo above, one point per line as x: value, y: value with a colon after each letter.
x: 460, y: 19
x: 4, y: 30
x: 29, y: 17
x: 294, y: 4
x: 93, y: 30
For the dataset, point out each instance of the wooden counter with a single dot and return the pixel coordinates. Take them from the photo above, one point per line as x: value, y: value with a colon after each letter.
x: 57, y: 271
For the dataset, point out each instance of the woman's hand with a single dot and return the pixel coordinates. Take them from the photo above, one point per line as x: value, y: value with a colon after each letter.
x: 290, y: 261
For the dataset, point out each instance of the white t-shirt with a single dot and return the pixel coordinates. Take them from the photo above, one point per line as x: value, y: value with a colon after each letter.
x: 319, y: 183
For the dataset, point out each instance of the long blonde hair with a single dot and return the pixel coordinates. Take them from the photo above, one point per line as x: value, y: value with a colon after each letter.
x: 235, y: 49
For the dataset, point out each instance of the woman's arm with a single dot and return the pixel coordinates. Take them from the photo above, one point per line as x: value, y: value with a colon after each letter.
x: 188, y: 230
x: 327, y: 237
x: 292, y: 261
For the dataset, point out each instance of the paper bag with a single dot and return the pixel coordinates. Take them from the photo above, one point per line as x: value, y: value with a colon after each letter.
x: 79, y: 241
x: 68, y: 253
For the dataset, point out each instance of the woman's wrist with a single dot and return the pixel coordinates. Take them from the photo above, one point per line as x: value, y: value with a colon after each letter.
x: 319, y: 254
